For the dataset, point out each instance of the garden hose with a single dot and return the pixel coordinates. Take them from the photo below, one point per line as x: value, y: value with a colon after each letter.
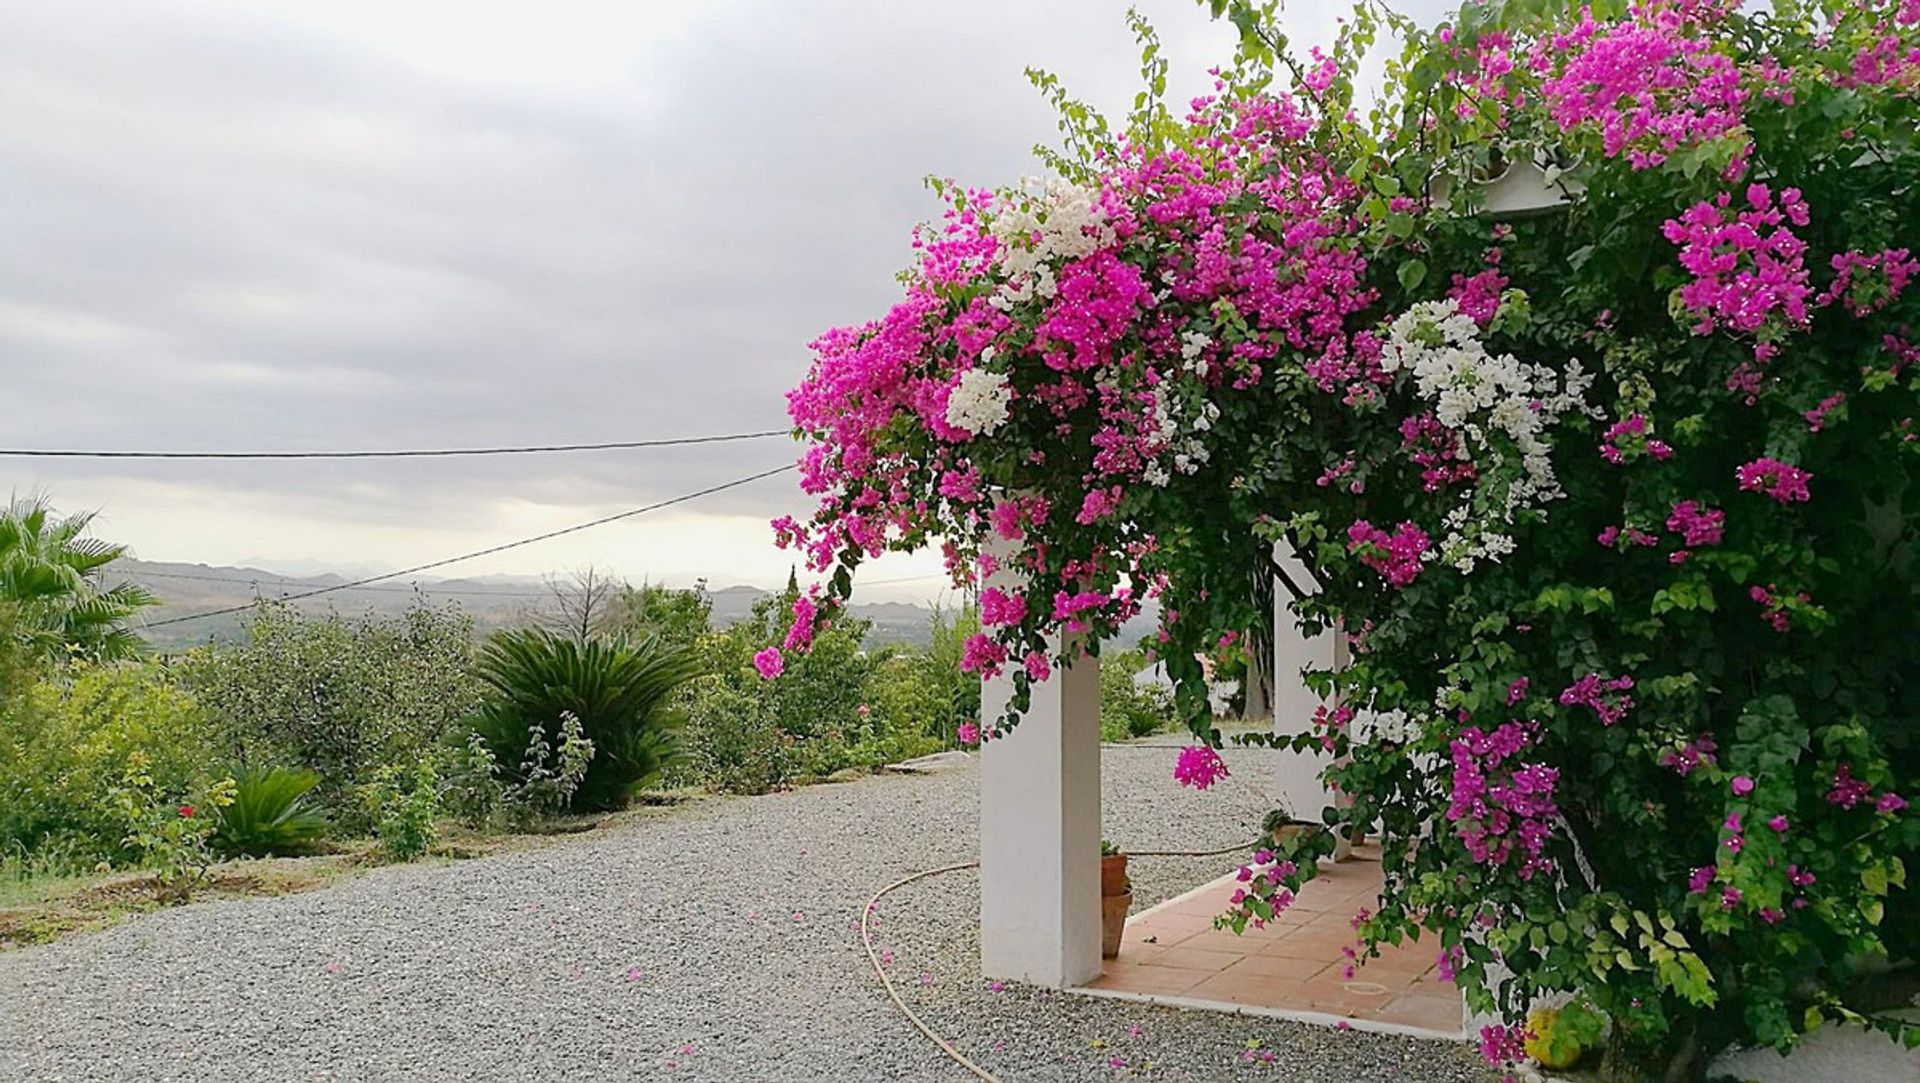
x: 893, y: 994
x: 866, y: 941
x: 886, y: 981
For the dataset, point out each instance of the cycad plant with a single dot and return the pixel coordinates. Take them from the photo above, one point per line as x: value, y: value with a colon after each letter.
x: 619, y: 690
x: 51, y: 573
x: 270, y: 813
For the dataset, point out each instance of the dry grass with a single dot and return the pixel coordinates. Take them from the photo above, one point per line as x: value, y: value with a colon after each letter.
x: 41, y: 909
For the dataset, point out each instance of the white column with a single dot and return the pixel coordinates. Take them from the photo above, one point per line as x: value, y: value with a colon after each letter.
x: 1297, y: 778
x: 1040, y: 832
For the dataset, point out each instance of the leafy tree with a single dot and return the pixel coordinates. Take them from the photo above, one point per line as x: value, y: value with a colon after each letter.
x: 52, y: 573
x: 680, y: 617
x: 338, y: 696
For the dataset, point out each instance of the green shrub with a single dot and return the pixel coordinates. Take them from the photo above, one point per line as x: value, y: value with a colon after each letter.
x: 403, y: 804
x: 734, y: 744
x: 549, y: 777
x: 835, y: 707
x: 621, y: 692
x: 340, y: 697
x: 1130, y: 708
x: 69, y: 736
x: 168, y: 830
x: 270, y: 813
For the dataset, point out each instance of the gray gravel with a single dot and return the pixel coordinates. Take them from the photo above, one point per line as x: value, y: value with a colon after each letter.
x: 706, y: 942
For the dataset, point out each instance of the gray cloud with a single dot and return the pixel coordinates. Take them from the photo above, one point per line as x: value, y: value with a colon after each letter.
x: 222, y: 228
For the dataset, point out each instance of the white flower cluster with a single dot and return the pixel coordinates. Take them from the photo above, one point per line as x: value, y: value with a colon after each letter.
x: 980, y: 401
x: 1373, y: 727
x: 1476, y: 394
x: 1183, y: 449
x: 1055, y: 222
x: 1193, y: 344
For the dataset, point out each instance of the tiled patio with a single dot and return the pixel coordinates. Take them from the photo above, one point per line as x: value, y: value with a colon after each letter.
x: 1292, y: 969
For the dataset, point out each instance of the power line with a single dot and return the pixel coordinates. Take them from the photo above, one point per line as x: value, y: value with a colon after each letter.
x: 430, y: 453
x: 284, y: 582
x: 576, y: 528
x: 902, y: 579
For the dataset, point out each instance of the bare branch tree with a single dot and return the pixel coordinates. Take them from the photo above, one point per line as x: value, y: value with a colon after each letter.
x: 582, y: 603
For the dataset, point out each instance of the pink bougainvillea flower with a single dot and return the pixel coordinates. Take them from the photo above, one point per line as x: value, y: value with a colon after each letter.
x: 1517, y: 691
x: 1606, y: 697
x: 1697, y: 524
x: 1501, y: 1044
x: 633, y: 973
x: 1741, y: 785
x: 1847, y: 791
x: 1784, y: 482
x: 770, y: 663
x: 1397, y: 556
x: 1200, y: 767
x: 968, y: 733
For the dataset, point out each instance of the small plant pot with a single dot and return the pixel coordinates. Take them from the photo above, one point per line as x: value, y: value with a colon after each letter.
x: 1113, y: 875
x: 1113, y: 922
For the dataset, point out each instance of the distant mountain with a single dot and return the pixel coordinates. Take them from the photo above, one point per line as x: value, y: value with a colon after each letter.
x: 494, y: 601
x: 186, y: 589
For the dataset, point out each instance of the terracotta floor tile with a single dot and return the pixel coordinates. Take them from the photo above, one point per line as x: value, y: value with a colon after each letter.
x: 1279, y: 966
x: 1410, y: 962
x: 1172, y: 921
x: 1194, y: 959
x: 1137, y: 953
x: 1441, y: 1014
x: 1247, y: 943
x: 1256, y: 990
x: 1152, y: 980
x: 1294, y: 963
x: 1301, y: 945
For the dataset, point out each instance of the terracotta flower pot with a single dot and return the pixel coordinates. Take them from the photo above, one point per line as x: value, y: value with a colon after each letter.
x: 1113, y: 922
x: 1113, y: 875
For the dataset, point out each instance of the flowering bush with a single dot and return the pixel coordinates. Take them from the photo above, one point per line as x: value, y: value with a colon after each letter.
x: 1606, y: 485
x: 172, y: 837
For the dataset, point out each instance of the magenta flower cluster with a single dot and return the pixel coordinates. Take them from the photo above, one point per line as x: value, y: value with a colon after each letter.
x: 1748, y: 267
x: 1607, y: 697
x: 1774, y: 608
x: 1502, y: 811
x: 1199, y: 766
x: 1650, y: 85
x: 1629, y: 435
x: 1395, y: 556
x: 1783, y: 482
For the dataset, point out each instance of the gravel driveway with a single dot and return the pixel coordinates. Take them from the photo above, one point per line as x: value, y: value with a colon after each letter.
x: 706, y: 942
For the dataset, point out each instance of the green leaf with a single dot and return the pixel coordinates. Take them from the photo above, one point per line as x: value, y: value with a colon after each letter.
x: 1412, y: 273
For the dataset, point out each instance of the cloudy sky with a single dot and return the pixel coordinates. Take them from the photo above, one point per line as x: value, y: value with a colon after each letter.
x: 246, y: 225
